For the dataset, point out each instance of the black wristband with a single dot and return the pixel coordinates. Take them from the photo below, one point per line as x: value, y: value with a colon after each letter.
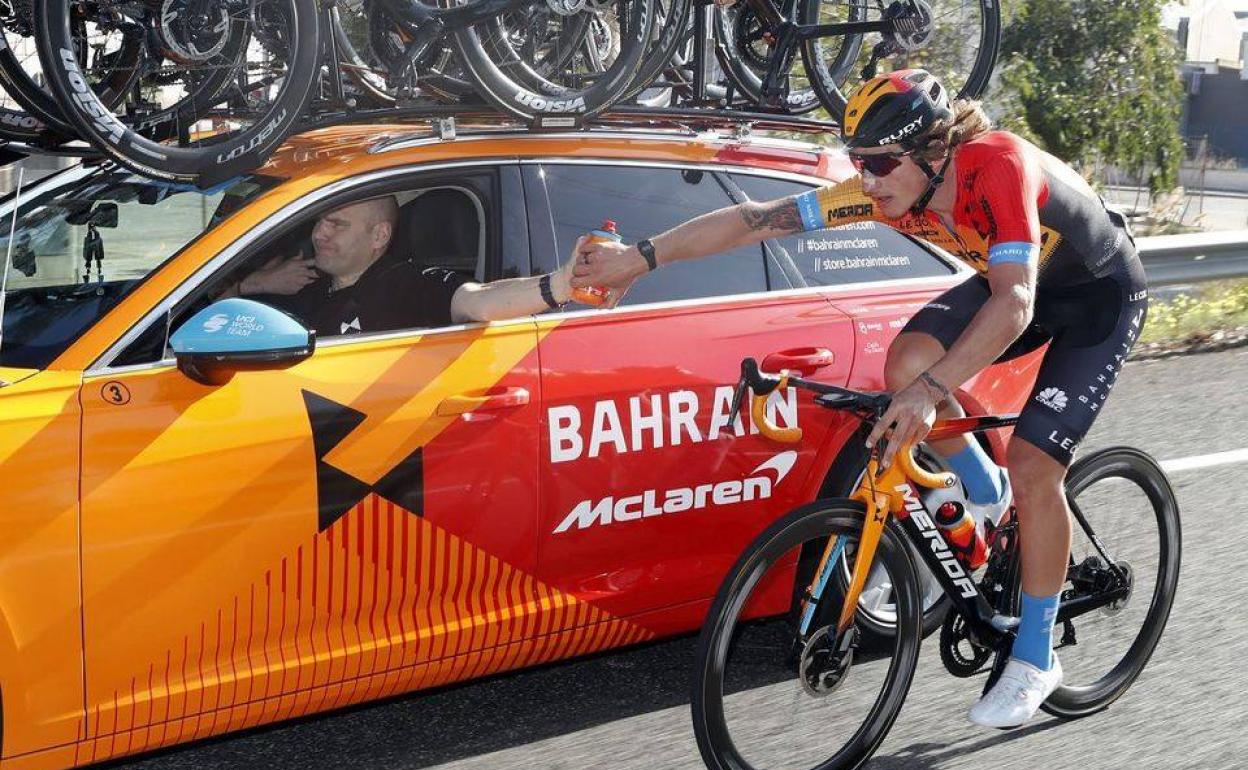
x: 548, y: 294
x: 933, y: 384
x: 647, y: 250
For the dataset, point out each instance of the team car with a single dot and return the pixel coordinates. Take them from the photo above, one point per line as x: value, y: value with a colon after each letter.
x: 200, y: 542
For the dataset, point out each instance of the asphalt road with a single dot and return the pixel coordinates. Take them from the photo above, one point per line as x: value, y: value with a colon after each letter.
x: 630, y: 710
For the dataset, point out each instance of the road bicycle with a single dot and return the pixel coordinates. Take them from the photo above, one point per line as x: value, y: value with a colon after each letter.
x: 782, y: 675
x: 842, y: 42
x: 269, y: 66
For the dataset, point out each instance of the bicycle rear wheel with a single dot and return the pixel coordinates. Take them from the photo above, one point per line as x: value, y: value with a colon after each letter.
x: 1128, y: 503
x: 557, y: 62
x: 769, y: 691
x: 955, y: 40
x: 266, y: 49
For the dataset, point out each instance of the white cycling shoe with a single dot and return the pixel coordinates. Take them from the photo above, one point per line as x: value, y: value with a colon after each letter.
x: 1017, y: 695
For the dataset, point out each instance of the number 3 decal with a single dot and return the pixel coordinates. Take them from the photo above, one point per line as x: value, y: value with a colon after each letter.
x: 115, y: 393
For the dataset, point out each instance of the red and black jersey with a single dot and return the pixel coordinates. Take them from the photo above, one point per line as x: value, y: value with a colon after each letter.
x: 1015, y: 203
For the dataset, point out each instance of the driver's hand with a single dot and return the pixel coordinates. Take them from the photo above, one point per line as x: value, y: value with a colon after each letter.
x: 910, y: 417
x: 281, y: 277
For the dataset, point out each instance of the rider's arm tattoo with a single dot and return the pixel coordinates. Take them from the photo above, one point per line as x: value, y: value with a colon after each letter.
x: 776, y: 215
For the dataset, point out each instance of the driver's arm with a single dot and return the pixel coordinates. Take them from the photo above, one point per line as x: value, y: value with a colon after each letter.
x: 509, y: 297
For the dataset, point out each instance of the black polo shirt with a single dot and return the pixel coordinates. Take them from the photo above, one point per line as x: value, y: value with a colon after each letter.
x: 389, y: 296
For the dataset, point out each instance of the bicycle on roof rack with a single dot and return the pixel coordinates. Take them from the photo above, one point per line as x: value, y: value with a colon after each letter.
x: 783, y: 674
x: 743, y: 56
x: 202, y: 90
x: 272, y: 65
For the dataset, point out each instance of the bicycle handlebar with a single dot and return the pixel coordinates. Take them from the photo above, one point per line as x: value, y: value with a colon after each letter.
x: 867, y: 406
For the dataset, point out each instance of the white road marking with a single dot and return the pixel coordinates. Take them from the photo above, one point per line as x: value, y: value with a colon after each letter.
x: 1205, y: 461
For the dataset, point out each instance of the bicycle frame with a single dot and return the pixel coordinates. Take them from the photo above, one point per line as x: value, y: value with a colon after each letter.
x: 788, y: 35
x: 895, y: 491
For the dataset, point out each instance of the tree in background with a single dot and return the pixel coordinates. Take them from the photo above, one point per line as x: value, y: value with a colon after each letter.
x: 1096, y: 81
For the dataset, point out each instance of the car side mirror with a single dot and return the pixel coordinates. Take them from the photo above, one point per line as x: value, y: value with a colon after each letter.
x: 236, y: 334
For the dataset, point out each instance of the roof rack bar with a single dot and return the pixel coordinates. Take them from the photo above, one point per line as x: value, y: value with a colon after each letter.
x: 688, y: 118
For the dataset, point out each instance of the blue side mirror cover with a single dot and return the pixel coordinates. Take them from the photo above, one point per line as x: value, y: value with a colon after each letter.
x: 239, y: 334
x: 238, y: 325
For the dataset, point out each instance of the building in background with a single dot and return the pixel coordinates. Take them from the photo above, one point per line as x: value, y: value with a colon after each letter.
x: 1214, y: 37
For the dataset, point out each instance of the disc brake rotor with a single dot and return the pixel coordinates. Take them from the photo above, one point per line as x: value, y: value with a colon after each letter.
x: 751, y: 39
x: 912, y: 25
x: 566, y: 7
x: 825, y: 661
x: 193, y: 31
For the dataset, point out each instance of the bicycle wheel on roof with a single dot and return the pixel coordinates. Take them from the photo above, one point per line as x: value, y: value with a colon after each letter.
x: 557, y: 61
x: 223, y: 83
x: 955, y: 40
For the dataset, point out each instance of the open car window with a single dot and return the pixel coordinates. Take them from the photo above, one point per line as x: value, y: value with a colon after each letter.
x: 83, y: 240
x: 444, y: 222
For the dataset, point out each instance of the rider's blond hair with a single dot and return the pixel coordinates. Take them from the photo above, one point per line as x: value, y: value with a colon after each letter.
x: 969, y: 121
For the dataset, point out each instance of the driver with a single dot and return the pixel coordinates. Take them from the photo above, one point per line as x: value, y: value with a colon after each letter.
x: 350, y: 286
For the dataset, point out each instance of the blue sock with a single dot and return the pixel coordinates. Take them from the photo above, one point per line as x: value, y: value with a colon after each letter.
x: 979, y: 473
x: 1034, y: 643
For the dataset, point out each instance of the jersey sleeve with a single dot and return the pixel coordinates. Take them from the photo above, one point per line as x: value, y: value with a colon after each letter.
x: 1006, y: 189
x: 836, y: 205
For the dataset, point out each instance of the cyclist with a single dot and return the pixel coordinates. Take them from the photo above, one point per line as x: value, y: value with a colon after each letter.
x: 1054, y: 266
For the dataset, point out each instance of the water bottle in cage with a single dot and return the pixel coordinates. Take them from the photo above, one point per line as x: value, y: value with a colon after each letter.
x: 965, y: 538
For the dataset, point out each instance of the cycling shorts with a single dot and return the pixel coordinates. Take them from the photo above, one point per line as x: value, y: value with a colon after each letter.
x: 1089, y: 328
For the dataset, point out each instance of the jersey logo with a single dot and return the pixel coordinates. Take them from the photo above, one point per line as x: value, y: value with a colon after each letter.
x: 1053, y: 398
x: 854, y: 210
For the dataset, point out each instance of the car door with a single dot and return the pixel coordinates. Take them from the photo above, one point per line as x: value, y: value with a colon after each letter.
x: 648, y: 491
x: 361, y: 524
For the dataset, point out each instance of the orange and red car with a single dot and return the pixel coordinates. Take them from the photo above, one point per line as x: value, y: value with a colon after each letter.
x: 418, y: 507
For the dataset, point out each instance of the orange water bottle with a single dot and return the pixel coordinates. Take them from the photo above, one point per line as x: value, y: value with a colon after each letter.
x: 964, y: 538
x: 596, y: 295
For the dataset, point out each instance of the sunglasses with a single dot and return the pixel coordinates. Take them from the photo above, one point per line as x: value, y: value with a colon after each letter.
x: 877, y: 165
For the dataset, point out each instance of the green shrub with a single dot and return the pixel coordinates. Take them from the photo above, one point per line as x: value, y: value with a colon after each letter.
x: 1209, y: 309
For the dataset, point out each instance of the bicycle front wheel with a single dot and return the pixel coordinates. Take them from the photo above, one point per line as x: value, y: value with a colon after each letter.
x: 955, y: 40
x: 774, y: 685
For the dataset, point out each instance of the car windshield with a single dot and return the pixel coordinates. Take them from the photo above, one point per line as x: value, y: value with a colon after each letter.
x: 84, y: 239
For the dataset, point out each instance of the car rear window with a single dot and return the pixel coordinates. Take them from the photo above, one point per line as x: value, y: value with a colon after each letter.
x: 856, y: 253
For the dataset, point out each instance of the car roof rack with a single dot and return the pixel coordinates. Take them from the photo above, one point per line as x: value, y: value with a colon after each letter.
x: 447, y: 121
x: 691, y: 119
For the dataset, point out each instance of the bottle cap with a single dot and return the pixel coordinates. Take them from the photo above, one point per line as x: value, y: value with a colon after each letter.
x: 949, y: 512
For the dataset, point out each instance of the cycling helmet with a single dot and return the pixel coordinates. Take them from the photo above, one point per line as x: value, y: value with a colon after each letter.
x: 897, y: 108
